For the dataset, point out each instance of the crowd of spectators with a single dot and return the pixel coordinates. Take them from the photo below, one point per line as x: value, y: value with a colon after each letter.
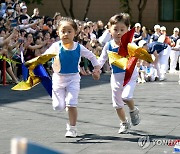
x: 31, y: 34
x: 166, y: 60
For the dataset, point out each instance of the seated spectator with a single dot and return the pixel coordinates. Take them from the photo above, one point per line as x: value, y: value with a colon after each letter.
x: 24, y: 24
x: 17, y: 10
x: 106, y: 37
x: 9, y: 13
x: 24, y: 11
x: 156, y: 34
x: 2, y: 9
x: 35, y: 14
x: 137, y: 34
x: 8, y: 67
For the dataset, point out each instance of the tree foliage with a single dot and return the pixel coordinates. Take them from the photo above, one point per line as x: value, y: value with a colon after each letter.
x: 125, y: 5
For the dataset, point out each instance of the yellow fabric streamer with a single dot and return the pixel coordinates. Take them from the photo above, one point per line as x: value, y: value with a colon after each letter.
x: 26, y: 85
x: 8, y: 60
x: 32, y: 79
x: 133, y: 51
x: 31, y: 64
x: 138, y: 52
x: 117, y: 60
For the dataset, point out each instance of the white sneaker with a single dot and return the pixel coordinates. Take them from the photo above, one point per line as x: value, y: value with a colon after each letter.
x: 162, y: 77
x: 124, y: 127
x: 143, y: 81
x: 135, y: 119
x: 139, y: 80
x: 71, y: 131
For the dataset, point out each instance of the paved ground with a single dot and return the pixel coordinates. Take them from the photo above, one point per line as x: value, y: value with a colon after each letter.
x: 29, y: 114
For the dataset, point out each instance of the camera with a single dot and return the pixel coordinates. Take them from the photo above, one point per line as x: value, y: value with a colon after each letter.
x: 20, y: 41
x: 13, y: 23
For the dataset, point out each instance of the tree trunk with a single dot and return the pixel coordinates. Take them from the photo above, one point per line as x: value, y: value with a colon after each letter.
x: 125, y: 5
x: 62, y: 4
x: 87, y: 9
x: 141, y: 7
x: 71, y: 9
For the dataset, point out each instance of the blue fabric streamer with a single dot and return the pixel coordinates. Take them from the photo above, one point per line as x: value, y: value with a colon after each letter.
x: 45, y: 78
x: 25, y: 72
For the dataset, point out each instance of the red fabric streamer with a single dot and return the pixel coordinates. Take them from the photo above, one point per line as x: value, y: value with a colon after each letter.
x: 126, y: 38
x: 123, y: 51
x: 129, y: 69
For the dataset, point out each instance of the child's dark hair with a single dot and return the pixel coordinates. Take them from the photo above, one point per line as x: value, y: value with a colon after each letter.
x: 121, y: 17
x: 70, y: 21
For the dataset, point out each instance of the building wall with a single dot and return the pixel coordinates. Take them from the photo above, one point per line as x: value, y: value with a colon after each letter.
x: 151, y: 16
x: 104, y: 9
x: 99, y: 9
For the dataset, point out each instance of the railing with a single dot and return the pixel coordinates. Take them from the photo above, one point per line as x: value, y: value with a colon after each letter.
x: 4, y: 71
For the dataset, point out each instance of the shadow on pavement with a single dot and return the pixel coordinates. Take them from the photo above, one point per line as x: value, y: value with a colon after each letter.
x: 94, y: 138
x: 9, y: 96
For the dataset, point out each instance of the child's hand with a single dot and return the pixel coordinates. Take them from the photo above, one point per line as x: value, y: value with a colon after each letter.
x: 96, y: 74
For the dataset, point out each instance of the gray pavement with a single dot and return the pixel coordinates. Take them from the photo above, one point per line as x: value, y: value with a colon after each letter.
x: 29, y: 114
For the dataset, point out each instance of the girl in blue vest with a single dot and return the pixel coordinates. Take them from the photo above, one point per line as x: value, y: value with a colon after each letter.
x: 119, y: 25
x: 66, y: 78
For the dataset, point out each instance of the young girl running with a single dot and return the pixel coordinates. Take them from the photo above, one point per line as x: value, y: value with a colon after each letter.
x: 66, y: 78
x: 119, y: 25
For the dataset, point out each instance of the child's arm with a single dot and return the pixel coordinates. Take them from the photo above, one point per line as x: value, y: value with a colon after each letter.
x: 101, y: 60
x: 104, y: 55
x: 137, y: 39
x: 53, y: 49
x: 8, y: 38
x: 92, y: 57
x: 177, y: 47
x: 156, y: 57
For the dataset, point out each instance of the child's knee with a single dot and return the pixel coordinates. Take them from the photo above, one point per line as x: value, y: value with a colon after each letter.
x: 117, y: 105
x: 59, y: 108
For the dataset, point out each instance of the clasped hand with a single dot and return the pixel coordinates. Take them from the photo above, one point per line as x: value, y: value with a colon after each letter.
x: 96, y: 73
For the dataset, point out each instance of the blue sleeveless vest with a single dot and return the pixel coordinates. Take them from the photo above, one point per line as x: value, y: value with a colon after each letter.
x: 115, y: 69
x: 69, y: 60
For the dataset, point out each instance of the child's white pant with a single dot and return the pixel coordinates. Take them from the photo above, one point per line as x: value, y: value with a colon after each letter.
x: 162, y: 65
x: 179, y: 69
x: 174, y: 59
x: 65, y: 90
x: 120, y: 93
